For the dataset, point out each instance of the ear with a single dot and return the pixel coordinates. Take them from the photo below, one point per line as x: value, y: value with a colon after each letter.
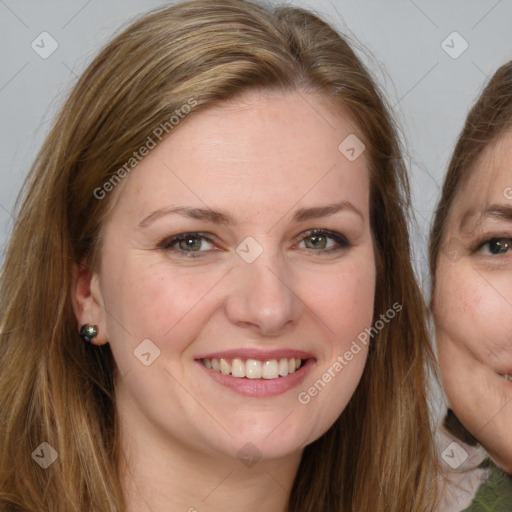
x: 87, y: 301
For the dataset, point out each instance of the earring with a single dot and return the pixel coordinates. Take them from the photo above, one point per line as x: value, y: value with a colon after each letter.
x: 88, y: 333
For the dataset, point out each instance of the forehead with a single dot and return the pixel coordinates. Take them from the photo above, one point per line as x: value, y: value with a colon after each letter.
x: 268, y: 146
x: 490, y: 178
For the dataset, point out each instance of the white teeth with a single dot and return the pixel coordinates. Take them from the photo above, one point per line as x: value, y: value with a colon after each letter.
x: 253, y: 368
x: 507, y: 377
x: 238, y: 368
x: 224, y: 367
x: 283, y: 367
x: 270, y: 369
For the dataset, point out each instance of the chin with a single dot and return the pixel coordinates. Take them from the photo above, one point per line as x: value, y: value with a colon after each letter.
x: 249, y: 451
x: 265, y: 440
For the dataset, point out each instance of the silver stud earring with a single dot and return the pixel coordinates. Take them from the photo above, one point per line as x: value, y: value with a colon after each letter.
x: 88, y: 332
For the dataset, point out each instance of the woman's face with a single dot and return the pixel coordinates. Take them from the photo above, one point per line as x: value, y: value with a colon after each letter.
x: 249, y: 284
x: 473, y: 301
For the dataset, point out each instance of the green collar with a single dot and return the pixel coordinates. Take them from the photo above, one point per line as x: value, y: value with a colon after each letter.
x: 495, y: 494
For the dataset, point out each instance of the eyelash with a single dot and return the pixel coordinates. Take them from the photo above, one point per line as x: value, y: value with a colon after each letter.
x: 487, y: 240
x: 168, y: 243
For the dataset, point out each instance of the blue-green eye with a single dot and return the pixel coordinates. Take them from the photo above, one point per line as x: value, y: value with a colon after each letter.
x: 495, y: 246
x: 187, y: 244
x: 319, y: 240
x: 193, y: 245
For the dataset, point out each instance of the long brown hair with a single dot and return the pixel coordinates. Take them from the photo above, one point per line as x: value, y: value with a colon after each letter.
x: 379, y: 454
x: 485, y: 122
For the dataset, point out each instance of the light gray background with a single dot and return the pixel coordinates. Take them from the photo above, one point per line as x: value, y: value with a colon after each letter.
x: 400, y: 40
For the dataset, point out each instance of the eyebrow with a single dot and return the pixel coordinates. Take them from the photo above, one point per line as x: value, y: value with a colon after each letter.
x: 494, y: 211
x: 222, y: 217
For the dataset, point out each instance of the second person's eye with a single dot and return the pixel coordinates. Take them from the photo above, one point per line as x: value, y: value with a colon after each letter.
x: 496, y: 246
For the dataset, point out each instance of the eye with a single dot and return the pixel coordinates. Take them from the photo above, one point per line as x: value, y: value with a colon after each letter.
x: 187, y: 244
x: 495, y: 246
x: 192, y: 245
x: 324, y: 241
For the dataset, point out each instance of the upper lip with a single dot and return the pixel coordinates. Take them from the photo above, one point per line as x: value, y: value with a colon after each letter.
x: 258, y: 354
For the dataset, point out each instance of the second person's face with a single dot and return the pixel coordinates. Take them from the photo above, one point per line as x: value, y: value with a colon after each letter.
x: 473, y: 302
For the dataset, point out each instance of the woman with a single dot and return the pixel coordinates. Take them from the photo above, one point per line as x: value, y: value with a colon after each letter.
x: 208, y: 296
x: 471, y: 262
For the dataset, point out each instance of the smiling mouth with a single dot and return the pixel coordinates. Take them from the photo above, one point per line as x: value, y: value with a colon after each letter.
x: 254, y: 368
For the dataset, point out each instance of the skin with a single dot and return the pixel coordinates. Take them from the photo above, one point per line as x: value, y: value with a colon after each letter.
x: 473, y: 302
x: 260, y: 158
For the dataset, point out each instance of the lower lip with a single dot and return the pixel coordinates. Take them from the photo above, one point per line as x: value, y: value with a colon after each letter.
x: 260, y: 388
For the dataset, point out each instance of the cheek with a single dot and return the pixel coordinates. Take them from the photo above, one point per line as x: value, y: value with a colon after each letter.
x: 344, y: 300
x: 349, y: 301
x: 158, y: 300
x: 472, y: 312
x: 345, y: 304
x: 147, y: 300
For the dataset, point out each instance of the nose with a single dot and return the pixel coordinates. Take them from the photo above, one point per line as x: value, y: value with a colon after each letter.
x: 262, y: 296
